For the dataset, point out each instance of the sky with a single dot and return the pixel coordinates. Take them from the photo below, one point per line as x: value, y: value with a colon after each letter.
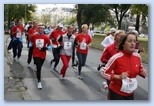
x: 43, y: 6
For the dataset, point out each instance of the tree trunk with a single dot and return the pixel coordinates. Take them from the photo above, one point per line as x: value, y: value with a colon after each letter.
x: 137, y: 22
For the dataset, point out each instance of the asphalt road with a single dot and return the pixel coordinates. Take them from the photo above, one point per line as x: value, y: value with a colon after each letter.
x: 20, y: 81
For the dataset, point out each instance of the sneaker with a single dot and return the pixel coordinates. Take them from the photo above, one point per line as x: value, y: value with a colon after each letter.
x: 39, y: 85
x: 74, y: 65
x: 29, y: 65
x: 98, y: 67
x: 81, y: 78
x: 55, y: 69
x: 61, y: 77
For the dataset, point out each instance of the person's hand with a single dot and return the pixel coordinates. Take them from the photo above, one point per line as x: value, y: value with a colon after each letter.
x: 44, y: 49
x: 124, y: 75
x: 142, y: 50
x: 143, y: 72
x: 60, y: 47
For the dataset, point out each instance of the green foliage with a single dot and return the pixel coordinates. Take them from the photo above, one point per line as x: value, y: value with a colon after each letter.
x: 120, y: 11
x: 92, y: 13
x: 18, y: 11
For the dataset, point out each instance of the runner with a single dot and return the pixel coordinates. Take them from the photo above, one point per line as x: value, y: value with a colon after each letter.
x: 54, y: 36
x: 31, y: 32
x: 67, y: 43
x: 83, y: 40
x: 123, y: 68
x: 41, y: 43
x: 17, y: 32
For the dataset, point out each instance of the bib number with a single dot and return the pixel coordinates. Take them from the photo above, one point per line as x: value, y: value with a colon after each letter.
x: 83, y: 46
x: 18, y: 35
x: 129, y: 85
x: 67, y: 45
x: 39, y: 43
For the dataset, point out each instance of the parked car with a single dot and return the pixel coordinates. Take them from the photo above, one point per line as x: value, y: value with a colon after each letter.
x: 142, y: 35
x: 101, y: 32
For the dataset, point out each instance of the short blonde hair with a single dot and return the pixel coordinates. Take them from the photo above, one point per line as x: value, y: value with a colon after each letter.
x: 84, y: 25
x: 118, y: 32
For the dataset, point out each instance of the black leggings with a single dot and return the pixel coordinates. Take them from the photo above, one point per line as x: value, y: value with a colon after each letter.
x: 56, y: 55
x: 115, y: 96
x: 38, y: 62
x: 82, y: 60
x: 30, y: 52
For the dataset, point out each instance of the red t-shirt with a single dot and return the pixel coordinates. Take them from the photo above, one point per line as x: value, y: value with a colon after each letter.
x: 109, y: 51
x: 83, y: 38
x: 32, y: 31
x: 55, y: 35
x: 39, y: 41
x: 15, y: 28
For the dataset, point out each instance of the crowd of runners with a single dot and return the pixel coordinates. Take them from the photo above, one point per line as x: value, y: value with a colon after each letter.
x: 120, y: 60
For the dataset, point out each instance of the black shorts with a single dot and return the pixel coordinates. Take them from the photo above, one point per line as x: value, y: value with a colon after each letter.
x: 115, y: 96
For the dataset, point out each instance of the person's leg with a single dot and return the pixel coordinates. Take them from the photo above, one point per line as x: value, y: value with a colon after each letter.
x: 65, y: 59
x: 38, y: 63
x: 115, y: 96
x: 14, y: 49
x: 56, y: 57
x: 30, y: 52
x: 19, y: 49
x: 84, y: 57
x: 10, y: 44
x: 73, y: 57
x: 79, y: 55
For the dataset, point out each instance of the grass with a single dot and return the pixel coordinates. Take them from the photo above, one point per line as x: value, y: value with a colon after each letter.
x: 98, y: 38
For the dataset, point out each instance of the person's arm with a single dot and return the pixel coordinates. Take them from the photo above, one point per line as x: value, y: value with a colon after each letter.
x: 104, y: 42
x: 109, y: 67
x: 60, y: 39
x: 104, y: 57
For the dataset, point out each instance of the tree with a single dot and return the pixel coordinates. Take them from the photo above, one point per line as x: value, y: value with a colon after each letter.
x: 120, y: 10
x: 18, y: 11
x: 139, y: 10
x: 93, y: 14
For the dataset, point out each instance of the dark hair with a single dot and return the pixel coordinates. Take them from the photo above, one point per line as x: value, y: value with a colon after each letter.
x: 18, y: 20
x: 123, y: 40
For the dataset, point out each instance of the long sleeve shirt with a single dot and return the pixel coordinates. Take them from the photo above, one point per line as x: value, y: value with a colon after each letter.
x: 119, y: 63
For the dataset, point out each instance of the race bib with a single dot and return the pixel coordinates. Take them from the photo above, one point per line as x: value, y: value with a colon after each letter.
x: 39, y: 43
x: 128, y: 85
x: 18, y: 35
x: 67, y: 45
x: 83, y: 46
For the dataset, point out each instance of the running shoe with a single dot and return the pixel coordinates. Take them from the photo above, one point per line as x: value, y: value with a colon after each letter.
x: 39, y: 85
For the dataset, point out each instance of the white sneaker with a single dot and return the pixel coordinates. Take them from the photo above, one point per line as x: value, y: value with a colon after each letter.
x: 81, y: 78
x: 55, y: 69
x: 29, y: 65
x: 61, y: 77
x: 39, y: 85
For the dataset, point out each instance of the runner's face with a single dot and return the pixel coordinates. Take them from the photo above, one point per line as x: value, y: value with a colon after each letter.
x: 70, y: 29
x: 130, y: 42
x: 41, y: 30
x: 85, y: 29
x: 19, y: 23
x: 117, y: 37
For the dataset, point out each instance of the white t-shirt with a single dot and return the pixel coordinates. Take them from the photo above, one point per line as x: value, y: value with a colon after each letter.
x: 107, y: 41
